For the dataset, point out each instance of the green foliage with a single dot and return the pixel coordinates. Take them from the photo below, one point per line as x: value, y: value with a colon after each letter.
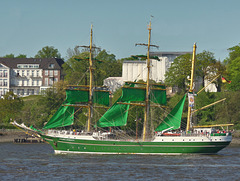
x: 76, y: 68
x: 228, y: 112
x: 179, y: 71
x: 233, y: 67
x: 21, y: 56
x: 48, y: 52
x: 9, y: 56
x: 206, y: 67
x: 10, y: 105
x: 39, y: 109
x: 205, y: 116
x: 76, y: 71
x: 13, y: 56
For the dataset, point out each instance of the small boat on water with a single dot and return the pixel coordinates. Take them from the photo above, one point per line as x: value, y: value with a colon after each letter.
x: 167, y: 137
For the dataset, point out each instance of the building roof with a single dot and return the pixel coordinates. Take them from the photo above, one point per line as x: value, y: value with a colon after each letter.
x: 44, y: 63
x: 168, y: 53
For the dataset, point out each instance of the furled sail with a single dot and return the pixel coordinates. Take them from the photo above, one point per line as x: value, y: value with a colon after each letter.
x: 63, y: 117
x: 173, y: 119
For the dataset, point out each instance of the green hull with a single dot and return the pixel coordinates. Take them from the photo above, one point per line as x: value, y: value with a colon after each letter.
x: 68, y: 145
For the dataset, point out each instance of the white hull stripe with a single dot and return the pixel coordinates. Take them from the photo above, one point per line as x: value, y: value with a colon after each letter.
x: 114, y: 153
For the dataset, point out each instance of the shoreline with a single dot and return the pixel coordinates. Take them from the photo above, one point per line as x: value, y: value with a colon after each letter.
x: 9, y: 136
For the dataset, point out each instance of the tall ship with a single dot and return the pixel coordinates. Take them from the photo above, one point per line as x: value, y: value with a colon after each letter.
x: 166, y: 138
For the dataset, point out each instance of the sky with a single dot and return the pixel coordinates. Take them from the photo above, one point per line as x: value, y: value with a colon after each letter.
x: 27, y: 26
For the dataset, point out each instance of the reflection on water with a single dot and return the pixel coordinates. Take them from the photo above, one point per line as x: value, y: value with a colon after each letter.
x: 38, y: 162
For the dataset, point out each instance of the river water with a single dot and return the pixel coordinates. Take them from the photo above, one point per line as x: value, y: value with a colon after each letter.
x: 38, y: 162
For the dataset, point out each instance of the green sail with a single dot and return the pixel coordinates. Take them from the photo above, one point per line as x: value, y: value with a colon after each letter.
x: 173, y: 119
x: 116, y: 116
x: 133, y: 94
x: 158, y: 96
x: 101, y: 97
x: 74, y: 96
x: 77, y: 96
x: 139, y: 94
x: 63, y: 117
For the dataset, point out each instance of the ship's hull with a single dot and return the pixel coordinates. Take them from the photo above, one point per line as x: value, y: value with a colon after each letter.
x: 173, y: 146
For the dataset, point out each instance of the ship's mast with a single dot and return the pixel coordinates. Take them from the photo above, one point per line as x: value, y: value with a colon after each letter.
x: 191, y: 87
x: 147, y: 102
x: 90, y: 84
x: 146, y: 112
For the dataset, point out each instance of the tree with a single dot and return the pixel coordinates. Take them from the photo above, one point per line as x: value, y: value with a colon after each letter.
x: 205, y: 68
x: 21, y: 56
x: 76, y: 68
x: 9, y: 56
x: 13, y: 56
x: 107, y: 66
x: 179, y: 71
x: 10, y: 106
x: 233, y: 67
x: 48, y: 52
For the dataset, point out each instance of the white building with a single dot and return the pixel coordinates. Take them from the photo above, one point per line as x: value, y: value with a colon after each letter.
x: 27, y: 76
x: 137, y: 69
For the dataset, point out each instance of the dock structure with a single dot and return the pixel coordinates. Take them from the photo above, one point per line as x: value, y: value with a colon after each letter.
x: 28, y: 140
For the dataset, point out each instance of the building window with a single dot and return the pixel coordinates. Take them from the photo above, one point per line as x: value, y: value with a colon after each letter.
x: 27, y: 72
x: 30, y: 91
x: 46, y: 81
x: 23, y: 72
x: 1, y: 73
x: 32, y: 73
x: 46, y: 72
x: 55, y: 79
x: 5, y: 73
x: 5, y: 82
x: 37, y: 82
x: 37, y: 73
x: 32, y: 82
x: 55, y: 72
x: 51, y: 81
x: 1, y: 82
x: 51, y: 73
x: 51, y: 65
x: 4, y: 91
x: 27, y: 65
